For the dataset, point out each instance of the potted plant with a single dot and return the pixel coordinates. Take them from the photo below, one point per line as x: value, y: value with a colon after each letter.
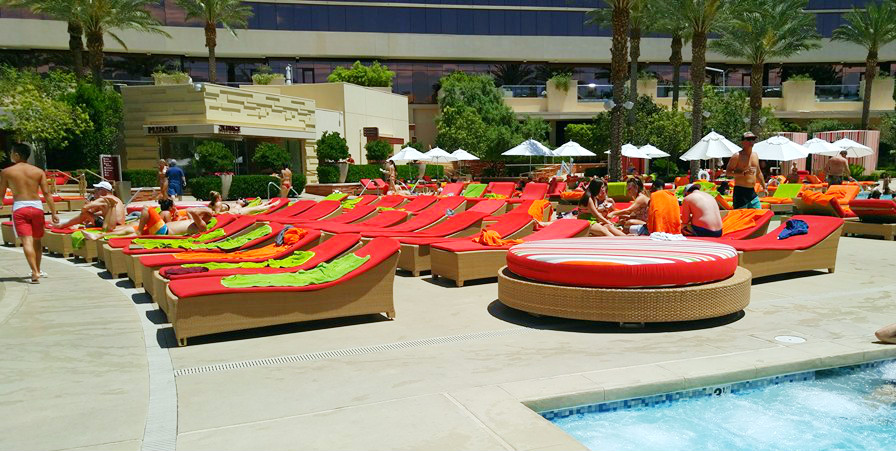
x: 332, y: 150
x: 213, y: 157
x: 265, y: 76
x: 378, y: 151
x: 170, y: 77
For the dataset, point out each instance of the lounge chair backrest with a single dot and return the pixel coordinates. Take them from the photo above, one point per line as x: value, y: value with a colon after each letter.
x: 452, y: 189
x: 445, y: 203
x: 455, y: 223
x: 562, y: 228
x: 788, y: 190
x: 474, y: 190
x: 488, y: 206
x: 558, y: 189
x: 844, y: 193
x: 509, y: 224
x: 534, y: 191
x: 505, y: 189
x: 617, y: 191
x: 385, y: 219
x: 878, y: 211
x: 355, y: 214
x: 419, y: 203
x: 321, y: 209
x: 390, y: 201
x: 423, y: 219
x: 238, y: 224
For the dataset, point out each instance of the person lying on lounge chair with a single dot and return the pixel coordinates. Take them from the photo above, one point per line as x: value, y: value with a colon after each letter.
x: 700, y: 213
x: 242, y: 207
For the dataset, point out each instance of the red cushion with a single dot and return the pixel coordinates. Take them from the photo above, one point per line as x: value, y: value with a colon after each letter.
x: 419, y: 203
x: 390, y: 201
x: 450, y: 226
x: 820, y: 227
x: 323, y: 252
x: 874, y: 210
x: 622, y: 262
x: 489, y: 206
x: 298, y: 207
x: 379, y: 250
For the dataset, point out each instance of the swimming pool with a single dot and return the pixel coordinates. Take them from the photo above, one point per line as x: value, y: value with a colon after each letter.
x: 851, y: 408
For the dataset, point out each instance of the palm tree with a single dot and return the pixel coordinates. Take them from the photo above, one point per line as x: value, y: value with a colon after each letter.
x: 66, y: 10
x: 759, y: 30
x: 229, y: 13
x: 871, y: 28
x: 668, y: 22
x: 701, y: 16
x: 638, y: 21
x: 620, y: 12
x: 513, y: 74
x: 100, y: 17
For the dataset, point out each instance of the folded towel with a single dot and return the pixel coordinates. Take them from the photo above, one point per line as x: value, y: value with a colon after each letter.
x: 794, y: 227
x: 737, y: 220
x: 664, y: 213
x: 322, y: 273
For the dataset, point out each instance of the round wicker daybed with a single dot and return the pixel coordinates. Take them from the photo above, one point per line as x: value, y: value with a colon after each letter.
x: 624, y: 279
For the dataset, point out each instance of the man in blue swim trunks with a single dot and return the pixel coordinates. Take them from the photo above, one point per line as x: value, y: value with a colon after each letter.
x: 744, y: 168
x: 177, y: 180
x: 700, y: 213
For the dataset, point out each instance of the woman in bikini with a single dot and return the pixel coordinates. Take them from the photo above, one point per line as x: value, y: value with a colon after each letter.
x: 635, y: 215
x: 596, y: 205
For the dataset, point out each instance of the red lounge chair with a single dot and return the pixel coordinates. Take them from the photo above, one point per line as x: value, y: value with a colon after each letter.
x: 418, y: 203
x: 877, y: 217
x: 462, y: 224
x: 505, y: 189
x: 767, y: 255
x: 300, y: 206
x: 490, y: 207
x: 456, y: 204
x: 366, y: 199
x: 350, y: 216
x: 555, y: 189
x: 149, y: 264
x: 761, y: 228
x: 426, y: 218
x: 391, y: 201
x: 323, y: 210
x: 379, y: 221
x: 415, y: 251
x: 464, y: 260
x: 532, y: 191
x: 204, y: 306
x: 452, y: 189
x: 375, y: 185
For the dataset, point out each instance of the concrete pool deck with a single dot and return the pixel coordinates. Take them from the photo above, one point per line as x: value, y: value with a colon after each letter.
x: 89, y: 363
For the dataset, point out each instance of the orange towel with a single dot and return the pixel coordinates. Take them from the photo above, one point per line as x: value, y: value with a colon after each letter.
x: 664, y: 213
x: 844, y: 193
x: 814, y: 197
x: 536, y: 210
x: 572, y: 195
x: 154, y: 223
x: 290, y: 237
x: 737, y: 220
x: 492, y: 238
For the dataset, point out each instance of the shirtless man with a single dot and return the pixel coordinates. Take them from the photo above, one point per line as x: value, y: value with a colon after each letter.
x: 106, y: 210
x: 700, y: 213
x: 743, y: 167
x: 837, y: 169
x: 27, y: 211
x: 285, y: 177
x: 162, y: 178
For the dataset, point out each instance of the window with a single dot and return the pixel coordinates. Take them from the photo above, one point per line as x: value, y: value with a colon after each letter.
x: 286, y: 17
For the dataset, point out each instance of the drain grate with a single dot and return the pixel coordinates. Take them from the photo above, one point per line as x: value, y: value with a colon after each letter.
x: 360, y: 350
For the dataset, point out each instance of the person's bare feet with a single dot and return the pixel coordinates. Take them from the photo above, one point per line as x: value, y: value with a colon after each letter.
x: 887, y: 334
x: 35, y: 278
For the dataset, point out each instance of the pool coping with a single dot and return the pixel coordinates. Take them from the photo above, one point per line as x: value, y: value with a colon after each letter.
x: 511, y: 410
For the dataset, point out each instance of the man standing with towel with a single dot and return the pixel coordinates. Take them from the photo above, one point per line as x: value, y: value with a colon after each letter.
x: 27, y: 210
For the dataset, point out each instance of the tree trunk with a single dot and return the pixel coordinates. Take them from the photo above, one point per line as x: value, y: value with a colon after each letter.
x: 617, y: 77
x: 870, y: 73
x: 76, y: 46
x: 211, y: 41
x: 756, y: 79
x: 634, y: 54
x: 698, y: 76
x: 95, y: 50
x: 675, y: 59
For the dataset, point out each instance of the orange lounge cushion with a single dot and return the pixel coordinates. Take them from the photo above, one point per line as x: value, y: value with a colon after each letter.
x: 622, y: 262
x: 844, y: 193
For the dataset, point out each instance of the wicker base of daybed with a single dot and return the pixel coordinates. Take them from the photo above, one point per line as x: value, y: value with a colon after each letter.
x: 115, y: 260
x: 463, y: 266
x: 87, y: 251
x: 770, y: 262
x: 634, y: 305
x: 886, y: 231
x: 9, y: 236
x: 59, y: 243
x: 368, y: 293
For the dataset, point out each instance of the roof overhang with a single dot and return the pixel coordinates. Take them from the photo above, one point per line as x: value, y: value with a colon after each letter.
x: 224, y: 130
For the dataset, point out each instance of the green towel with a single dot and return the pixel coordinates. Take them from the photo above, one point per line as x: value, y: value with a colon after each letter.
x: 788, y: 190
x: 474, y: 190
x: 296, y: 259
x: 226, y: 244
x: 322, y: 273
x: 254, y: 202
x: 334, y: 196
x: 211, y: 224
x: 78, y: 239
x: 154, y: 243
x: 350, y: 203
x: 707, y: 186
x: 618, y: 191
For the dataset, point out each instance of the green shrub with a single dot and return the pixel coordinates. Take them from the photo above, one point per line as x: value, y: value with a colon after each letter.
x: 800, y: 77
x: 140, y: 177
x: 374, y: 75
x: 356, y: 172
x: 328, y: 173
x: 378, y: 150
x: 410, y: 172
x: 271, y: 156
x: 826, y: 125
x: 856, y: 170
x: 331, y: 147
x: 252, y: 186
x: 214, y: 157
x: 298, y: 182
x: 201, y: 186
x: 417, y: 145
x: 561, y: 81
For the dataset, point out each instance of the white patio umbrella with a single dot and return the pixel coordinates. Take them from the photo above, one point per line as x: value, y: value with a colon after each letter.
x: 572, y: 149
x: 407, y: 154
x: 437, y: 154
x: 820, y: 146
x: 463, y: 155
x: 653, y: 152
x: 853, y: 149
x: 529, y: 148
x: 631, y: 151
x: 779, y: 148
x: 713, y: 145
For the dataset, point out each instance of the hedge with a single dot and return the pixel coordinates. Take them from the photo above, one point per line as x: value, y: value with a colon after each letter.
x: 242, y: 186
x: 330, y: 173
x: 141, y: 177
x: 200, y: 186
x: 410, y: 172
x: 327, y: 173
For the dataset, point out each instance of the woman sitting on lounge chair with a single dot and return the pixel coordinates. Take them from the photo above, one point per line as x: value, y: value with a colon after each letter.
x: 596, y: 205
x: 634, y: 218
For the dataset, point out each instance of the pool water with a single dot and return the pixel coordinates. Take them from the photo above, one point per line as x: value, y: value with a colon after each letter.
x: 840, y: 409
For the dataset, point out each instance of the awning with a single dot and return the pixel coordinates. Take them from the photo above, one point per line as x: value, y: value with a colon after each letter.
x: 223, y: 130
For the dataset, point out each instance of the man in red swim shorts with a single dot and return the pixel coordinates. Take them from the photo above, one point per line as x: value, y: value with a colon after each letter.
x: 27, y: 211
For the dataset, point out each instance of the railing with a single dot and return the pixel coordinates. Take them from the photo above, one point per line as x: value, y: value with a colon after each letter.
x: 524, y: 90
x: 767, y: 91
x: 277, y: 187
x: 595, y: 93
x: 836, y: 93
